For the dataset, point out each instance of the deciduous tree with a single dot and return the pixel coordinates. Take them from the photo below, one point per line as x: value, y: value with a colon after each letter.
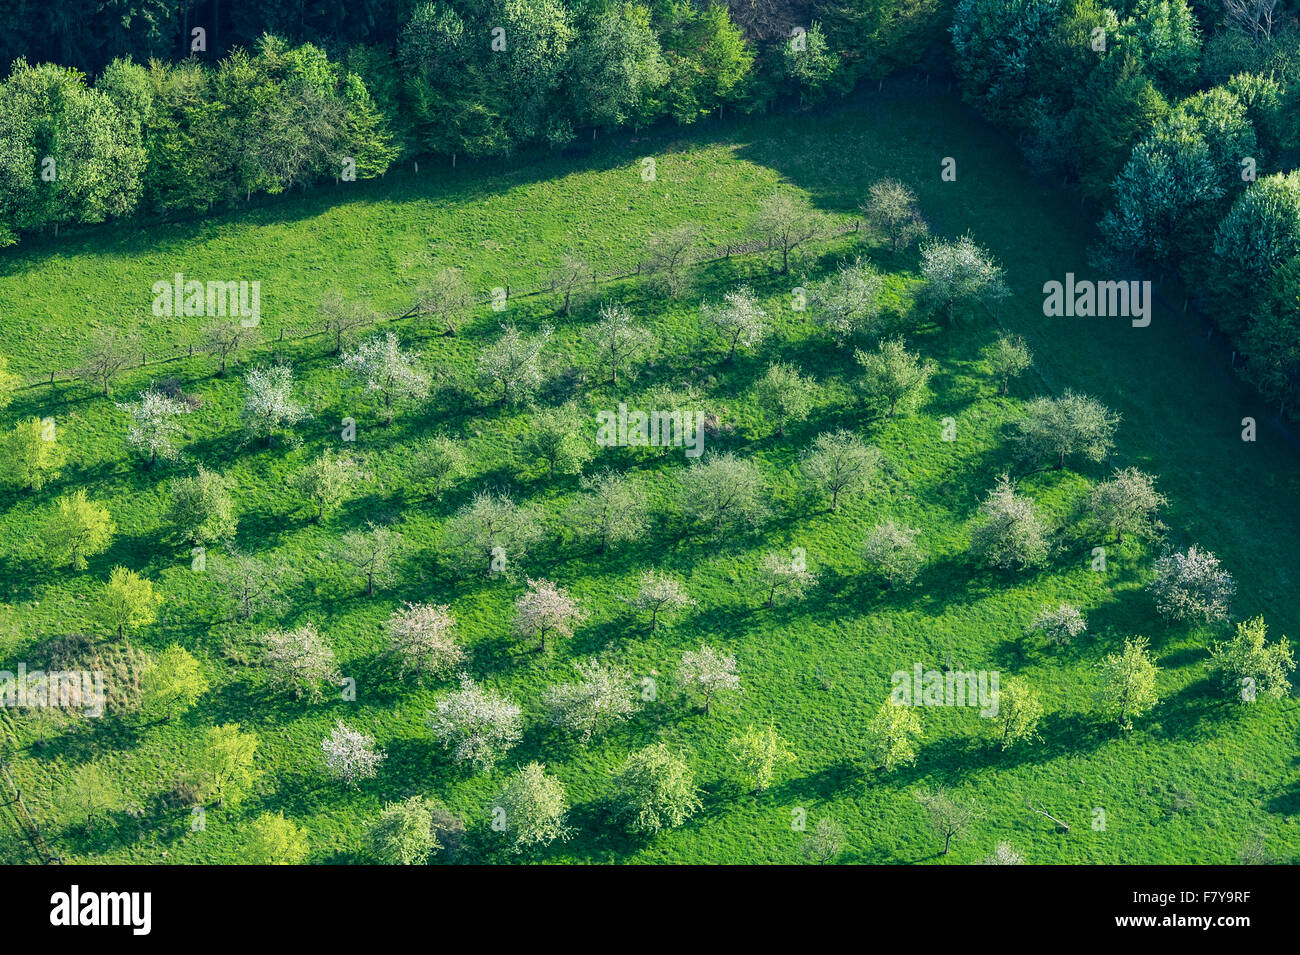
x: 274, y: 840
x: 738, y: 321
x: 558, y: 437
x: 422, y: 641
x: 1127, y: 682
x: 618, y: 339
x: 326, y: 482
x: 893, y: 377
x: 654, y: 790
x: 1008, y: 531
x: 1008, y: 357
x: 478, y: 725
x: 1190, y: 585
x: 662, y: 596
x: 1059, y: 625
x: 202, y: 509
x: 892, y: 735
x: 155, y: 425
x: 603, y: 695
x: 383, y: 368
x: 724, y: 492
x: 1073, y: 424
x: 609, y: 510
x: 404, y: 834
x: 173, y: 684
x: 848, y: 303
x: 545, y: 610
x: 300, y: 660
x: 759, y: 753
x: 350, y: 755
x: 373, y: 552
x: 784, y: 395
x: 960, y: 273
x: 76, y: 529
x: 491, y: 533
x: 949, y: 817
x: 839, y: 462
x: 892, y: 210
x: 30, y: 457
x: 269, y: 406
x: 891, y: 553
x: 706, y: 674
x: 225, y: 764
x: 1247, y: 665
x: 787, y: 221
x: 533, y: 808
x: 514, y: 363
x: 127, y: 602
x: 1127, y: 504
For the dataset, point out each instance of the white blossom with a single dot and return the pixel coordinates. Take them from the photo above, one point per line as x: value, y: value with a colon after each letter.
x: 545, y: 610
x: 268, y: 401
x: 422, y: 639
x: 154, y: 426
x: 705, y: 673
x: 478, y: 725
x: 351, y: 756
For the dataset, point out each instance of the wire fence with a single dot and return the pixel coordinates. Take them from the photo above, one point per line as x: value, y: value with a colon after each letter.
x: 316, y: 329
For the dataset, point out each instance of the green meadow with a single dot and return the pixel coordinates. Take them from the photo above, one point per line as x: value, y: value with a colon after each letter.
x: 1193, y: 782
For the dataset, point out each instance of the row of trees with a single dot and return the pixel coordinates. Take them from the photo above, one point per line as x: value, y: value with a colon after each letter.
x: 1244, y: 667
x: 849, y: 304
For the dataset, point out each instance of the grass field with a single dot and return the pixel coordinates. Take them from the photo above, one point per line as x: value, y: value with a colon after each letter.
x: 1195, y: 781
